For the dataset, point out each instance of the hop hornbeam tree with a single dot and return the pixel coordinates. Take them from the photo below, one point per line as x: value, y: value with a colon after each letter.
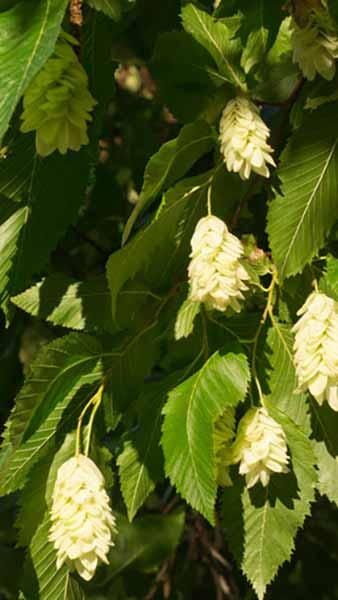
x: 168, y: 299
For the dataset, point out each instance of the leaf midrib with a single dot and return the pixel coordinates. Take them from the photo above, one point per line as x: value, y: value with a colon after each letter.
x: 307, y: 206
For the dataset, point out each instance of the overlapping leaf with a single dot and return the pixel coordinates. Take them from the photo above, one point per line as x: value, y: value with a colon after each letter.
x: 302, y: 216
x: 28, y: 34
x: 170, y: 163
x: 261, y: 524
x: 12, y: 219
x: 190, y: 412
x: 219, y: 40
x: 155, y: 251
x: 324, y: 426
x: 281, y: 376
x: 59, y: 370
x: 141, y: 462
x: 70, y: 303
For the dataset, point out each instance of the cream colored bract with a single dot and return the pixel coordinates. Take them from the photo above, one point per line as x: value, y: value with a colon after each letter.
x: 260, y: 447
x: 243, y: 138
x: 216, y: 275
x: 316, y: 348
x: 82, y: 521
x: 315, y: 51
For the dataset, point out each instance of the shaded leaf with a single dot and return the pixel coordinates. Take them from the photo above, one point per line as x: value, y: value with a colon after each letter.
x: 186, y: 77
x: 218, y: 39
x: 141, y: 462
x: 325, y: 445
x: 170, y: 163
x: 12, y: 219
x: 157, y: 250
x: 145, y: 543
x: 329, y: 282
x: 70, y: 303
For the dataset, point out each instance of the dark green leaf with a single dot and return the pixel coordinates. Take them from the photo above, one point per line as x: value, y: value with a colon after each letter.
x: 186, y: 77
x: 12, y: 219
x: 145, y: 543
x: 170, y: 163
x: 218, y: 39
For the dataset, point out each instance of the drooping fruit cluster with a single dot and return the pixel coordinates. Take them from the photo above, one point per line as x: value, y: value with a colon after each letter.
x: 260, y: 447
x: 216, y: 274
x: 243, y: 138
x: 316, y: 348
x: 81, y: 517
x: 315, y: 50
x: 57, y: 103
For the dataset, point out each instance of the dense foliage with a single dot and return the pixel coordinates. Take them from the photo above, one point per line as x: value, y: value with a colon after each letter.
x: 168, y: 299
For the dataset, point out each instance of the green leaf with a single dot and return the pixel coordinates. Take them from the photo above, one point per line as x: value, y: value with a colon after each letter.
x: 59, y: 370
x: 187, y: 78
x: 329, y: 282
x: 12, y: 219
x: 281, y: 376
x: 69, y: 303
x: 16, y: 166
x: 16, y: 463
x: 190, y: 412
x: 333, y: 9
x: 186, y: 315
x: 325, y: 445
x: 261, y: 524
x: 260, y: 24
x: 141, y: 462
x: 50, y: 214
x: 145, y: 543
x: 32, y: 501
x: 170, y: 163
x: 277, y: 75
x: 28, y: 34
x: 300, y: 219
x: 218, y: 39
x: 157, y: 251
x: 111, y: 8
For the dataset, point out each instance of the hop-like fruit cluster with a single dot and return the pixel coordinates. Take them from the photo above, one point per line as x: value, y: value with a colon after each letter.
x: 260, y: 447
x: 243, y: 138
x: 57, y: 103
x: 216, y: 275
x: 82, y: 521
x: 316, y: 348
x: 224, y: 431
x: 314, y: 50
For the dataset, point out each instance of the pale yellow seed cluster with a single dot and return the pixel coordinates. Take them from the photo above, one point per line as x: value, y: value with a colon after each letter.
x: 316, y: 348
x: 57, y: 104
x: 243, y: 139
x: 314, y: 50
x: 81, y: 517
x: 260, y: 447
x: 216, y: 275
